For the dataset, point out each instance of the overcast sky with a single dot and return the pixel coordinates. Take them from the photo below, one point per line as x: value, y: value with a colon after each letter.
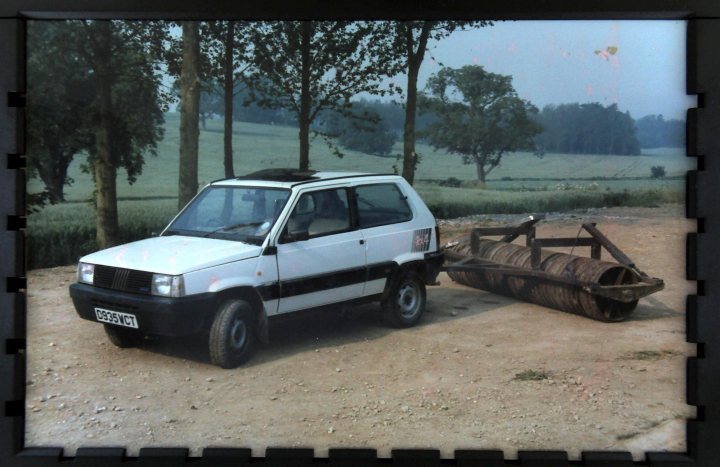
x: 555, y: 62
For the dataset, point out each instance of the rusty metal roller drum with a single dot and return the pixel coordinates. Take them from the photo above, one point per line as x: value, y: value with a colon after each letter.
x: 543, y: 291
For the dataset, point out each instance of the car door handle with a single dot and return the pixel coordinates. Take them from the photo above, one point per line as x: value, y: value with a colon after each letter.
x: 362, y: 242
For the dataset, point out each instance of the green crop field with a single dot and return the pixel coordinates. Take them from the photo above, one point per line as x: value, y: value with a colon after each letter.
x: 59, y: 234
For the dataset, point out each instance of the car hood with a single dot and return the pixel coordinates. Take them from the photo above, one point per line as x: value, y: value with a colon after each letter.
x: 173, y: 254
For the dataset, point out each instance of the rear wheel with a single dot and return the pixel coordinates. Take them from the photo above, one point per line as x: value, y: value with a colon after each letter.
x: 405, y: 303
x: 232, y: 334
x: 122, y: 337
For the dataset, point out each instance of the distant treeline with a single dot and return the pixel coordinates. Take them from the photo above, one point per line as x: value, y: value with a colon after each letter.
x: 594, y: 129
x: 567, y: 128
x: 653, y: 131
x: 587, y: 129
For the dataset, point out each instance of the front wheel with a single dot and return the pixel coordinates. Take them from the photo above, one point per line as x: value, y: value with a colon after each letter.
x: 122, y: 337
x: 406, y: 301
x: 232, y: 334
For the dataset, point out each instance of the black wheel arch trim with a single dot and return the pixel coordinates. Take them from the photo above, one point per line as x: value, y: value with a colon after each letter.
x: 251, y: 294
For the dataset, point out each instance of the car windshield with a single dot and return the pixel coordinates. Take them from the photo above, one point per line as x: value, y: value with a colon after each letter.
x: 243, y: 214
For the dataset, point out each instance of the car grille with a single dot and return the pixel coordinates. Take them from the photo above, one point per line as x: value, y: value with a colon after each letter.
x: 127, y: 280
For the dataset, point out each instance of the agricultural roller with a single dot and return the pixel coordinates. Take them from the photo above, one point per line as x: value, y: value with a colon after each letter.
x: 601, y: 290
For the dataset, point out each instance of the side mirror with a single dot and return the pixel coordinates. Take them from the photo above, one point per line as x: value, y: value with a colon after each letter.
x: 295, y: 236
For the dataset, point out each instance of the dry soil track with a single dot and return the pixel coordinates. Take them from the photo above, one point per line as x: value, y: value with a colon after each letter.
x: 481, y: 371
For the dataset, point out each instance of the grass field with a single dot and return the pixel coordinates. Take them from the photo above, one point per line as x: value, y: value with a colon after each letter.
x: 523, y: 183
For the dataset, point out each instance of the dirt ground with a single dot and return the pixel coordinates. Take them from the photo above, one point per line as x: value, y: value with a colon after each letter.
x: 464, y: 378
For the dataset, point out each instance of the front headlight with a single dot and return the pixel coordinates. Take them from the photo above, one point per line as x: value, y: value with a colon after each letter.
x: 168, y: 286
x: 86, y: 273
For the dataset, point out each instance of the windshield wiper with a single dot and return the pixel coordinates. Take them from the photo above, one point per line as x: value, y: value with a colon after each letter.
x: 231, y: 227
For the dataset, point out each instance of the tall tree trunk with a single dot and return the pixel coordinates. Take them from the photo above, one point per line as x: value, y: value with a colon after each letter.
x: 105, y: 184
x: 53, y: 173
x: 229, y: 68
x: 481, y: 174
x: 409, y: 157
x: 189, y: 113
x: 304, y: 117
x: 56, y: 184
x: 414, y: 60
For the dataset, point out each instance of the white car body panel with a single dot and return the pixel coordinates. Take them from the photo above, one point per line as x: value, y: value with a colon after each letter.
x: 303, y: 261
x: 252, y: 272
x: 173, y: 254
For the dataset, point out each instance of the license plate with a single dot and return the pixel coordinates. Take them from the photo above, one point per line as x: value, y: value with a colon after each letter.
x: 116, y: 317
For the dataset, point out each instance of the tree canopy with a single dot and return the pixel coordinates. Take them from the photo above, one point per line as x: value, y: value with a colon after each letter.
x: 479, y: 116
x: 587, y: 129
x: 59, y: 122
x: 311, y: 66
x: 63, y: 104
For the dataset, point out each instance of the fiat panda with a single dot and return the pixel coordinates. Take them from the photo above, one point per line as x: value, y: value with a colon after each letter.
x: 250, y: 249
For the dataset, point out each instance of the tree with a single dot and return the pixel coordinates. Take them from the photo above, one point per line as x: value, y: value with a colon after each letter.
x: 479, y: 115
x: 189, y: 113
x: 123, y: 110
x: 309, y: 66
x: 226, y: 44
x: 58, y: 119
x: 125, y: 78
x: 411, y: 40
x: 104, y: 173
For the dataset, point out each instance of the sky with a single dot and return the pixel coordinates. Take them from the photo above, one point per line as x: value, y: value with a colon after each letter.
x: 557, y: 62
x: 639, y: 65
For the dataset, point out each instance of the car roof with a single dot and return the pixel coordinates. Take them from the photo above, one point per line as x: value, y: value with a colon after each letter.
x: 288, y: 178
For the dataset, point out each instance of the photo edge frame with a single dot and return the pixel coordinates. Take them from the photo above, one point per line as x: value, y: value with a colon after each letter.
x: 703, y: 79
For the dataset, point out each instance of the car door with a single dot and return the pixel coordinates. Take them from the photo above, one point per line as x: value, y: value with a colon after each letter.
x: 321, y: 257
x: 383, y: 217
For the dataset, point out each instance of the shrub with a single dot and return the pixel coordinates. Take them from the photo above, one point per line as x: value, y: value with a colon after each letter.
x: 657, y: 171
x: 451, y: 182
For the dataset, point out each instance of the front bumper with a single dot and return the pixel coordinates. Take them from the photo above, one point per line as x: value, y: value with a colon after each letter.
x: 164, y: 316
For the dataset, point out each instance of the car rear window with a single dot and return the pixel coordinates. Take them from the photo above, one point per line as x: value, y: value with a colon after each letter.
x: 381, y: 204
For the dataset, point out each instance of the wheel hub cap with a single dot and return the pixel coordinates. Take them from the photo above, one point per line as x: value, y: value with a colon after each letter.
x: 408, y: 300
x: 238, y: 334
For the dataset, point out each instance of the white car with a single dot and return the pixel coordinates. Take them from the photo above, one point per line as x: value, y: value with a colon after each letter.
x: 248, y: 249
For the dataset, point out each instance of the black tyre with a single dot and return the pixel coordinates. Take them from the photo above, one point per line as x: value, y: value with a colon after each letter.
x: 405, y: 303
x: 122, y: 337
x: 232, y: 334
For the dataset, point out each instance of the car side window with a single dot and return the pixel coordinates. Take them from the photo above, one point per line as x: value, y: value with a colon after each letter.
x: 321, y: 213
x: 381, y: 204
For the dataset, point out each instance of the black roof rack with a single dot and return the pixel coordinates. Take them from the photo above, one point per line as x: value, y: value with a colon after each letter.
x: 343, y: 177
x: 298, y: 177
x: 277, y: 175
